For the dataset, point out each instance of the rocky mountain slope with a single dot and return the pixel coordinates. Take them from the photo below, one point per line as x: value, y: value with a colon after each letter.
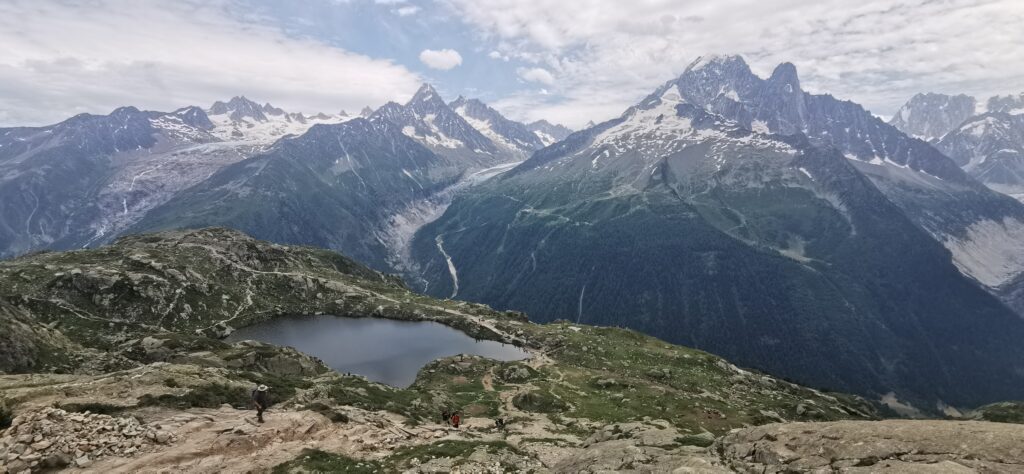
x: 512, y: 135
x: 985, y: 139
x: 773, y: 250
x: 981, y: 228
x: 85, y: 180
x: 990, y: 147
x: 363, y: 186
x: 548, y: 132
x: 928, y: 116
x: 427, y: 119
x: 336, y: 186
x: 139, y: 322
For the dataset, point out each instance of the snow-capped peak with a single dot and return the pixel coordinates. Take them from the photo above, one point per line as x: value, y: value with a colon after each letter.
x: 1011, y: 104
x: 714, y: 59
x: 245, y: 121
x: 239, y: 108
x: 425, y: 94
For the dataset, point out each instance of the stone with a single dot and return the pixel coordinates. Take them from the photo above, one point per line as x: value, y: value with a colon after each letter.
x: 55, y: 461
x: 17, y: 465
x: 887, y: 446
x: 162, y: 437
x: 83, y: 462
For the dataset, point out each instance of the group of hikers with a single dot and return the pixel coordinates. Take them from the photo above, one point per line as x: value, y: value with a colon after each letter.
x: 261, y: 400
x: 451, y: 418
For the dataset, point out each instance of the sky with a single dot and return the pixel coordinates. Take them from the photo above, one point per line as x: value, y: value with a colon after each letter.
x: 565, y: 61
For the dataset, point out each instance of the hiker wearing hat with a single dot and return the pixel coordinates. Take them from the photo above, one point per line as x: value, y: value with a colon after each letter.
x: 261, y: 399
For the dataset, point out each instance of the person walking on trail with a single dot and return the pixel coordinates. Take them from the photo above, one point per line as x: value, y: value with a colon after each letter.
x: 446, y: 416
x: 455, y: 420
x: 261, y: 400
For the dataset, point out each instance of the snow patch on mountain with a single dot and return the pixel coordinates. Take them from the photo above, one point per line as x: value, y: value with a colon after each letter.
x: 262, y: 133
x: 991, y: 252
x: 484, y: 127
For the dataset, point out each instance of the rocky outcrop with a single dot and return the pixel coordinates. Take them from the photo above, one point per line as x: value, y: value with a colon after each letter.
x: 26, y: 346
x: 876, y: 447
x: 651, y: 446
x: 51, y: 438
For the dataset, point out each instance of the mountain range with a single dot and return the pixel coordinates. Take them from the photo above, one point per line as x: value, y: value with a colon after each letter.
x: 91, y: 178
x: 796, y: 233
x: 986, y: 139
x: 792, y: 232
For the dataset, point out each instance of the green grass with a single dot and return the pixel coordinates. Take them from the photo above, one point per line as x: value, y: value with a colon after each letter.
x: 98, y: 408
x: 328, y: 412
x: 694, y: 440
x: 204, y: 396
x: 539, y: 401
x: 358, y: 392
x: 447, y: 449
x: 6, y: 414
x: 1004, y: 412
x: 316, y: 461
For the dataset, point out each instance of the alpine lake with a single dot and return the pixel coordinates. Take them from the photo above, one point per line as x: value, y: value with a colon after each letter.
x: 382, y: 350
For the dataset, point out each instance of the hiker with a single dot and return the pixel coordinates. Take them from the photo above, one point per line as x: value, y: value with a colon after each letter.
x: 446, y: 416
x: 455, y: 420
x: 261, y: 399
x: 499, y: 423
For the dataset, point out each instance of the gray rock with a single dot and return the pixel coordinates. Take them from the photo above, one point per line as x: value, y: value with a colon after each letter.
x: 888, y: 446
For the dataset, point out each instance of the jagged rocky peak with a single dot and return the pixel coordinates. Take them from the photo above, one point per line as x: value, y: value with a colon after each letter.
x: 426, y: 96
x: 366, y: 112
x: 785, y: 78
x: 239, y: 108
x: 932, y: 115
x: 271, y: 110
x: 1012, y: 104
x: 488, y: 121
x: 717, y: 62
x: 195, y: 117
x: 548, y: 132
x: 720, y: 78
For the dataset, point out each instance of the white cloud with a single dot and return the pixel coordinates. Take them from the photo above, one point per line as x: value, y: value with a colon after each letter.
x: 407, y: 10
x: 443, y: 59
x: 98, y: 55
x: 607, y: 54
x: 536, y: 74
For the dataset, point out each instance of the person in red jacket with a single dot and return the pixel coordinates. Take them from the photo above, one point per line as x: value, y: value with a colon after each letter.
x: 455, y: 419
